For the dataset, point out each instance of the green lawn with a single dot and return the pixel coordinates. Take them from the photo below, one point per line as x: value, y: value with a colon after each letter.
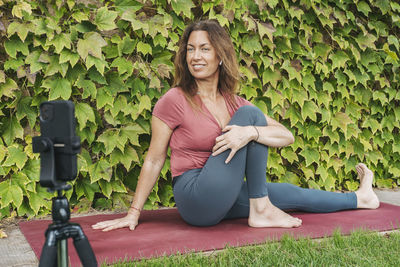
x: 359, y: 249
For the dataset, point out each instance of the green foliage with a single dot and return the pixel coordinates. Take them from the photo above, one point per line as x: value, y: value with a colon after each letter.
x: 328, y: 70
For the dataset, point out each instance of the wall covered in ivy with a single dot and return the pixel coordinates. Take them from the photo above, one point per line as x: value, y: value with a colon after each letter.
x: 326, y: 69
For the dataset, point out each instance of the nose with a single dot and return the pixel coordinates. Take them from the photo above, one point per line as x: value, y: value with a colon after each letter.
x: 197, y: 54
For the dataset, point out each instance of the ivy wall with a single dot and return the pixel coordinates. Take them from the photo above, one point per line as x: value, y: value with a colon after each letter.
x: 327, y: 69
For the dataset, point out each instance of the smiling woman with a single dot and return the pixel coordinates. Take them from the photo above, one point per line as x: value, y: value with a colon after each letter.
x: 217, y: 139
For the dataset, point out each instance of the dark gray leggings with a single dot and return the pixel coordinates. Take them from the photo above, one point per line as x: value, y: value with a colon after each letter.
x: 218, y: 191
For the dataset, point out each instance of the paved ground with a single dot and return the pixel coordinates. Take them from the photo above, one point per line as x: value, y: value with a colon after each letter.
x: 15, y: 250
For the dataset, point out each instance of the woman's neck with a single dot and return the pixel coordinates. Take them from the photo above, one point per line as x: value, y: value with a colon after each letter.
x: 208, y: 88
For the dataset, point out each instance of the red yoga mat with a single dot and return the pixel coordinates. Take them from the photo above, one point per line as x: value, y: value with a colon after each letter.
x: 163, y: 232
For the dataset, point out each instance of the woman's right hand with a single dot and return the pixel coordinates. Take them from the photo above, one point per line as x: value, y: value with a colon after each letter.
x: 131, y: 220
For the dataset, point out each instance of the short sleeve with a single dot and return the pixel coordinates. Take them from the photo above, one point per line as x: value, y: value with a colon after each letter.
x: 242, y: 102
x: 169, y: 108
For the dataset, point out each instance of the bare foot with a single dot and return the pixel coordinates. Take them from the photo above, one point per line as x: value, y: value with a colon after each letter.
x: 267, y: 215
x: 366, y: 197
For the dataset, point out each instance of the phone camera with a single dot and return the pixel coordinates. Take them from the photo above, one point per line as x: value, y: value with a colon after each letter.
x: 46, y: 112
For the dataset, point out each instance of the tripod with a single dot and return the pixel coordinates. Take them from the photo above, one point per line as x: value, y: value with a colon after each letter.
x: 55, y: 248
x: 58, y: 147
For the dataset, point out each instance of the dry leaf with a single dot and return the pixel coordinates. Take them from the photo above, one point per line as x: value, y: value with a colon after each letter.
x: 2, y: 234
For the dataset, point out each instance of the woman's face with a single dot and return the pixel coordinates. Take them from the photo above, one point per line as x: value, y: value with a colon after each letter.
x: 201, y: 56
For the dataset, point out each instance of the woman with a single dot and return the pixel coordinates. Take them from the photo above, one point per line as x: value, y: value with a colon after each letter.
x: 217, y: 139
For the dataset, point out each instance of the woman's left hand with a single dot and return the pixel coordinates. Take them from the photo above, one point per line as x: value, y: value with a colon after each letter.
x: 235, y: 138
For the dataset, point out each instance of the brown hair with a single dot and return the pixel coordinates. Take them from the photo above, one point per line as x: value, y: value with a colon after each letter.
x: 229, y: 71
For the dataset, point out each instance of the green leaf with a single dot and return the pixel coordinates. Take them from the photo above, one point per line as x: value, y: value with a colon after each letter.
x: 309, y: 110
x: 131, y: 132
x: 293, y: 115
x: 55, y: 67
x: 127, y: 45
x: 99, y: 63
x: 289, y: 154
x: 20, y: 8
x: 10, y: 194
x: 123, y: 66
x: 8, y: 88
x: 339, y: 59
x: 251, y: 44
x: 381, y: 96
x: 89, y: 88
x: 15, y: 45
x: 341, y: 120
x: 108, y: 138
x: 392, y: 40
x: 364, y: 8
x: 322, y: 50
x: 80, y: 16
x: 100, y: 170
x: 144, y: 48
x: 32, y: 170
x: 271, y: 76
x: 310, y: 154
x: 182, y: 7
x: 15, y: 156
x: 58, y: 87
x: 144, y: 103
x: 35, y: 202
x: 103, y: 98
x: 60, y: 41
x: 12, y: 130
x: 266, y: 29
x: 366, y: 41
x: 276, y: 97
x: 68, y: 56
x: 24, y: 109
x: 105, y: 19
x: 85, y: 187
x: 84, y: 113
x: 19, y: 28
x: 106, y: 188
x: 290, y: 177
x: 91, y: 44
x: 118, y: 186
x: 33, y: 60
x: 314, y: 132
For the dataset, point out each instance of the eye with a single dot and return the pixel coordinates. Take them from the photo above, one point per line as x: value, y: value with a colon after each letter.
x: 190, y: 49
x: 206, y: 49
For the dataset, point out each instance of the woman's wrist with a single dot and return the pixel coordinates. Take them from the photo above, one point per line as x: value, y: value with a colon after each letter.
x: 134, y: 210
x: 254, y: 133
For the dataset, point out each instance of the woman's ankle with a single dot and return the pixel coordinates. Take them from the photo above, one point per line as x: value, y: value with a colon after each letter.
x: 259, y: 205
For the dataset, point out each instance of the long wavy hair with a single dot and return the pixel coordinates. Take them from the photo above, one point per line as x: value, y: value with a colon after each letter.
x: 228, y: 81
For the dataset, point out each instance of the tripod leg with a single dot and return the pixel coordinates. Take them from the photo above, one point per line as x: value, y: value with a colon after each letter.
x: 83, y: 247
x: 62, y: 255
x: 48, y: 258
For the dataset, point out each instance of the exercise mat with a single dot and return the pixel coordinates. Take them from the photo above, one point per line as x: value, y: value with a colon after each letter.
x: 163, y: 232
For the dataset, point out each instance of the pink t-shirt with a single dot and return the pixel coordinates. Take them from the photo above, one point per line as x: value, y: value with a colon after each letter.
x: 194, y: 131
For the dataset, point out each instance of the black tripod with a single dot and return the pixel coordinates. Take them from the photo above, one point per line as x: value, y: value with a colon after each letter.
x: 55, y: 248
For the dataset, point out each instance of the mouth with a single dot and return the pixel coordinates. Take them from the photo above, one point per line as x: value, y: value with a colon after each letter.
x: 198, y: 66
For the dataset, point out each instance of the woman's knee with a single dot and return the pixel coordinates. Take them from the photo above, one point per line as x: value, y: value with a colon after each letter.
x: 200, y: 221
x: 253, y: 114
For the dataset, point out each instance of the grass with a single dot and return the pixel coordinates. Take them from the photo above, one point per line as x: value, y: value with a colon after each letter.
x: 361, y: 248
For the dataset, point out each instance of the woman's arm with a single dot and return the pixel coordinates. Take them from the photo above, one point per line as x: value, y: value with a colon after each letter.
x: 235, y: 137
x: 153, y: 163
x: 273, y: 135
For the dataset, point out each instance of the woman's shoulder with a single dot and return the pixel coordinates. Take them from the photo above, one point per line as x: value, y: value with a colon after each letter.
x: 241, y: 101
x: 174, y: 94
x: 173, y: 97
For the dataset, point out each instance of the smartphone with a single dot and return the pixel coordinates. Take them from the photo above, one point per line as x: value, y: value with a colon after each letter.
x: 57, y: 122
